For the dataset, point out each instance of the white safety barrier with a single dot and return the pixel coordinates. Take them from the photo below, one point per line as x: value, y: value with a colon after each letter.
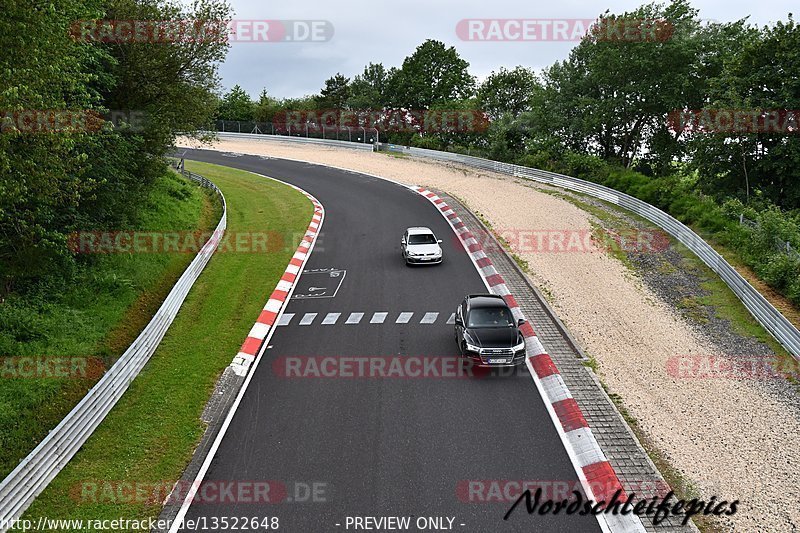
x: 35, y: 472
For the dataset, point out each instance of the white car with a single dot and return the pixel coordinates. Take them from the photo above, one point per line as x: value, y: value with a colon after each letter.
x: 420, y: 246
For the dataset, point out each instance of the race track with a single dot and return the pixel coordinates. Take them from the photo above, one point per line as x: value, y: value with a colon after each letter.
x: 394, y: 446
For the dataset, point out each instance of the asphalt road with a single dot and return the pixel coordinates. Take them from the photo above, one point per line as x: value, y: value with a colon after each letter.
x: 379, y: 447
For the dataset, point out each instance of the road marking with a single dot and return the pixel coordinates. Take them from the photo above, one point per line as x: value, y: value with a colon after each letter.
x: 429, y: 318
x: 354, y: 318
x: 331, y: 318
x: 323, y: 283
x: 247, y: 372
x: 285, y: 319
x: 307, y: 319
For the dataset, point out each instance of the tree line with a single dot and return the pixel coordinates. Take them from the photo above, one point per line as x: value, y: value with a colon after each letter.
x: 85, y: 123
x: 619, y: 101
x: 702, y: 122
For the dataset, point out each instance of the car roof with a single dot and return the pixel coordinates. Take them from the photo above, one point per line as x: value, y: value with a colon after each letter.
x: 486, y: 300
x: 416, y: 230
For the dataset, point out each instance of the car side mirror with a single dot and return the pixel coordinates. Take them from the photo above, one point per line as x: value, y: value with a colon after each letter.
x: 402, y: 242
x: 439, y: 241
x: 520, y: 322
x: 459, y: 321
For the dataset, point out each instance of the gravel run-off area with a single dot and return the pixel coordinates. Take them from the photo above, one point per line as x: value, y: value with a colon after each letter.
x: 736, y: 437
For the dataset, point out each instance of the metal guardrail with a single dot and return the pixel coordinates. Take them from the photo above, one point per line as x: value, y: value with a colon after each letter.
x: 35, y: 472
x: 369, y: 147
x: 766, y: 314
x: 763, y: 311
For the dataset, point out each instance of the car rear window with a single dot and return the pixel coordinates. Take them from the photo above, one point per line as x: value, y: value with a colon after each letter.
x: 490, y: 317
x: 422, y: 238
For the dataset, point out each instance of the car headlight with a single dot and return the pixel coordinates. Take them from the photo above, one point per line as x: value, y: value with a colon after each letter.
x: 473, y: 348
x: 519, y: 347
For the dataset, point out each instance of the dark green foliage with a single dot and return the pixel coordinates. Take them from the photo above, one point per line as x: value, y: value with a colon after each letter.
x: 57, y: 181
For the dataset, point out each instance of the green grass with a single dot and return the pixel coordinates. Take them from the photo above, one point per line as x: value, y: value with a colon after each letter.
x: 720, y: 297
x: 150, y: 435
x: 96, y: 316
x: 726, y: 305
x: 607, y: 221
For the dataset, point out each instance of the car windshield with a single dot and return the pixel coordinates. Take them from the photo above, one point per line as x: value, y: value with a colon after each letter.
x: 490, y: 317
x: 422, y: 238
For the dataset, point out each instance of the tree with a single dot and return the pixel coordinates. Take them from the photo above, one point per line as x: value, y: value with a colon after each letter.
x: 368, y: 89
x: 507, y: 91
x: 754, y: 77
x: 97, y: 173
x: 236, y: 105
x: 433, y: 74
x: 335, y: 93
x: 266, y: 107
x: 612, y: 95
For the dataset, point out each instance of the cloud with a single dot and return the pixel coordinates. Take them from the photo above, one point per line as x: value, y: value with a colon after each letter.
x: 381, y: 32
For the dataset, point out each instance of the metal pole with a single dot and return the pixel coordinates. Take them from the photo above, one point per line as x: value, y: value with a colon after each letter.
x: 349, y: 134
x: 365, y: 133
x: 239, y: 124
x: 323, y: 132
x: 306, y: 129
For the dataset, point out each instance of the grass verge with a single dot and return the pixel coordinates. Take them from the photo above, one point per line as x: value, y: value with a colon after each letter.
x: 92, y: 318
x: 719, y: 296
x: 149, y: 436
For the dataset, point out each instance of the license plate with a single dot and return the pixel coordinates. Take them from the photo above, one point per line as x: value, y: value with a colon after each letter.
x: 498, y: 360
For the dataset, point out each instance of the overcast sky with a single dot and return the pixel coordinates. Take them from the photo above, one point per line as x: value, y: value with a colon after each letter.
x: 387, y: 32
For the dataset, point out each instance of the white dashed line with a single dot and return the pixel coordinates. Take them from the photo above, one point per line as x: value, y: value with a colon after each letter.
x: 307, y: 319
x: 354, y: 318
x: 331, y: 318
x: 429, y: 318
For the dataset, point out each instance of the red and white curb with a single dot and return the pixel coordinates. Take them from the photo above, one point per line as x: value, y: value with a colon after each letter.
x: 594, y: 471
x: 277, y: 300
x: 252, y: 349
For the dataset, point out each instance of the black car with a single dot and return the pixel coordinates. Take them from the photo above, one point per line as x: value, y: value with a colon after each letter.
x: 487, y: 333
